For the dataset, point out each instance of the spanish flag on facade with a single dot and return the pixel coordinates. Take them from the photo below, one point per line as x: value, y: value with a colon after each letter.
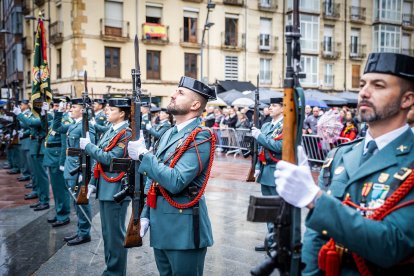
x: 41, y: 91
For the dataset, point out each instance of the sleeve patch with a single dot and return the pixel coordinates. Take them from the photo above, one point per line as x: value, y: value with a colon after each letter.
x: 121, y: 145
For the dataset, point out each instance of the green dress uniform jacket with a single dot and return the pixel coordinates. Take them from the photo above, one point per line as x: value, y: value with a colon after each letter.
x: 101, y: 125
x: 266, y: 141
x: 112, y: 214
x: 158, y: 130
x: 172, y: 228
x: 382, y: 243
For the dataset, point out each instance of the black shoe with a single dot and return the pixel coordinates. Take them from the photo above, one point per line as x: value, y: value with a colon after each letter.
x: 23, y: 178
x: 51, y: 220
x: 6, y: 167
x: 30, y: 196
x: 13, y: 172
x: 79, y: 240
x: 59, y: 223
x: 259, y: 247
x: 41, y: 207
x: 34, y: 205
x: 29, y: 186
x: 69, y: 238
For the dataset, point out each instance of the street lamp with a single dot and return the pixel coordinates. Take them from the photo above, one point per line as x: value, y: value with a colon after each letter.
x: 207, y: 26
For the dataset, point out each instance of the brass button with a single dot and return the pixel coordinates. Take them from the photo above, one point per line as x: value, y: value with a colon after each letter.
x: 181, y: 210
x: 145, y: 173
x: 324, y: 232
x: 329, y: 192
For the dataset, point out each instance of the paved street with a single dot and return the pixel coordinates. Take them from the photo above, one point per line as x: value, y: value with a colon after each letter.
x: 29, y: 245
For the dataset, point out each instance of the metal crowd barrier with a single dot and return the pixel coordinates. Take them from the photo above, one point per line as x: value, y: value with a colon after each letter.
x: 317, y: 149
x: 232, y: 141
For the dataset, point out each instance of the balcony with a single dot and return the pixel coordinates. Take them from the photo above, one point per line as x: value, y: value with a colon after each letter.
x: 232, y: 41
x: 190, y: 40
x: 330, y: 50
x: 114, y: 30
x: 234, y: 2
x: 267, y: 44
x: 357, y: 51
x: 155, y: 33
x: 26, y: 7
x: 409, y: 52
x: 331, y: 10
x: 328, y: 81
x: 357, y: 14
x: 267, y: 5
x: 408, y: 21
x: 27, y: 46
x: 56, y: 32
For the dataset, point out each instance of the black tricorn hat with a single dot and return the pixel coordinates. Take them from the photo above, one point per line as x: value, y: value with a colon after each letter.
x: 57, y: 100
x: 145, y: 104
x: 155, y: 109
x: 119, y: 102
x: 24, y: 101
x: 100, y: 101
x: 80, y: 101
x: 276, y: 100
x: 198, y: 87
x: 391, y: 63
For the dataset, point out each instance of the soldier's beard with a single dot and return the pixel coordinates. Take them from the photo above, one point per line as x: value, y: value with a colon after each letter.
x: 177, y: 110
x: 367, y: 116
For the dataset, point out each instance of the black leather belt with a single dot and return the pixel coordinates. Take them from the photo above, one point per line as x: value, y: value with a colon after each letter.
x: 53, y: 145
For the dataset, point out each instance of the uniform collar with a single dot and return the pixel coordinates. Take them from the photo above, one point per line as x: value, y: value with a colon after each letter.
x: 277, y: 120
x: 118, y: 125
x: 386, y: 138
x: 184, y: 124
x: 78, y: 120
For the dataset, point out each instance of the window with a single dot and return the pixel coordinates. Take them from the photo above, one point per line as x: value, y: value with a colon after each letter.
x: 190, y: 26
x: 327, y: 40
x: 329, y: 75
x: 112, y: 62
x: 306, y: 5
x: 230, y: 31
x: 309, y: 28
x: 265, y: 31
x: 113, y: 18
x: 59, y: 63
x: 356, y: 69
x: 153, y: 65
x: 265, y: 3
x: 387, y: 38
x: 388, y: 10
x: 231, y: 65
x: 407, y: 17
x: 190, y: 65
x: 309, y: 65
x: 265, y: 75
x: 355, y: 47
x: 405, y: 44
x: 328, y: 7
x: 153, y: 14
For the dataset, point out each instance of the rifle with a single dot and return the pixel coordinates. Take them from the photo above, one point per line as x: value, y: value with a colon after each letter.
x: 253, y: 143
x: 285, y: 253
x: 133, y: 184
x: 85, y: 160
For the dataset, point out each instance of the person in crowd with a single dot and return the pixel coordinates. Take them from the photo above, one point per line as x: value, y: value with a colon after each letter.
x: 242, y: 121
x: 210, y: 117
x: 310, y: 124
x: 232, y: 121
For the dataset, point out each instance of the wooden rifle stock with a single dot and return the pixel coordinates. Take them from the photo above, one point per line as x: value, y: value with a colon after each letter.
x: 289, y: 126
x: 132, y: 237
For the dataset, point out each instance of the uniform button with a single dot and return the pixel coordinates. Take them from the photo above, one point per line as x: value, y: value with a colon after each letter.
x: 181, y: 210
x: 145, y: 173
x: 329, y: 192
x: 324, y: 232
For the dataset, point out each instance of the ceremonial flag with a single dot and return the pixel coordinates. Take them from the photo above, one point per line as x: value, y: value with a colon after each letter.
x: 41, y: 91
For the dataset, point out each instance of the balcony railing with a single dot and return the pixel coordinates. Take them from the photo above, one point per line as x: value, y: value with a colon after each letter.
x: 56, y: 32
x: 330, y: 50
x: 357, y: 51
x: 232, y: 41
x: 234, y: 2
x: 408, y: 20
x: 27, y: 46
x: 192, y: 40
x: 267, y: 43
x: 328, y: 80
x: 357, y: 14
x: 409, y: 52
x: 269, y: 5
x: 114, y: 30
x: 331, y: 10
x: 155, y: 33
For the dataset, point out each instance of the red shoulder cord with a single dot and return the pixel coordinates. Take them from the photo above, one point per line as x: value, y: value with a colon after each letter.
x: 329, y: 259
x: 151, y: 198
x: 98, y: 168
x: 262, y: 156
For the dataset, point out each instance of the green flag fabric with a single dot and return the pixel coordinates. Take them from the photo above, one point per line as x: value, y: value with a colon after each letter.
x: 41, y: 91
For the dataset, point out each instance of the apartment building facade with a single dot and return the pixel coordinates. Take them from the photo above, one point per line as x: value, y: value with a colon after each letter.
x: 242, y: 38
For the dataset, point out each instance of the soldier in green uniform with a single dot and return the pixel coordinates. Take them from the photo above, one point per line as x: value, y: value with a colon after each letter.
x: 99, y: 122
x: 73, y: 135
x: 24, y: 134
x: 351, y: 224
x: 179, y: 236
x: 269, y: 138
x: 13, y: 147
x: 53, y: 146
x: 37, y: 135
x: 112, y: 145
x: 158, y: 130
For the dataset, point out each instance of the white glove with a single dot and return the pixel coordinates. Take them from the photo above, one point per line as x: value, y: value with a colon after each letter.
x: 136, y: 148
x: 256, y: 173
x: 148, y: 126
x: 20, y: 133
x: 144, y: 226
x: 302, y: 157
x: 91, y: 190
x: 295, y: 184
x: 80, y: 178
x: 83, y: 142
x: 17, y: 110
x: 7, y: 136
x: 255, y: 132
x: 62, y: 107
x: 14, y: 132
x: 92, y: 122
x: 62, y: 168
x: 45, y: 108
